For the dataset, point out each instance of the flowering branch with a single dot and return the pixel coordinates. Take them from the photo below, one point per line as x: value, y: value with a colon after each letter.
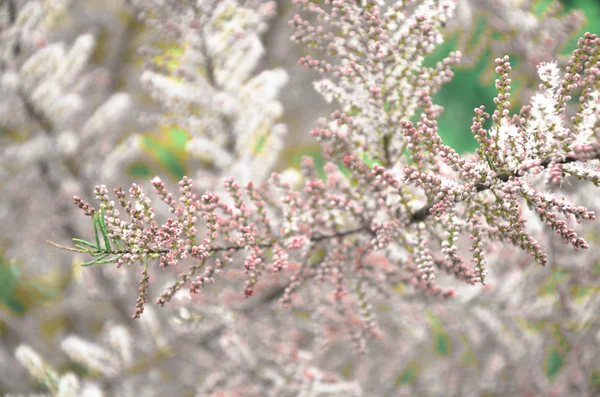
x: 382, y: 203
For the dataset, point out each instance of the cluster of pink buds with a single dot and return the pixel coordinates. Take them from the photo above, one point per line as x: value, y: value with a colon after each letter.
x: 390, y: 185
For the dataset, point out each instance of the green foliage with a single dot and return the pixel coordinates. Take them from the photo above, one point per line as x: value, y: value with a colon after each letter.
x: 473, y: 85
x: 556, y: 353
x: 317, y: 256
x: 581, y: 292
x: 558, y: 276
x: 386, y: 106
x: 441, y: 340
x: 168, y: 150
x: 295, y: 155
x: 140, y: 170
x: 17, y: 292
x: 408, y: 375
x: 9, y: 278
x: 595, y: 381
x: 260, y: 144
x: 554, y: 362
x: 591, y: 13
x: 101, y: 254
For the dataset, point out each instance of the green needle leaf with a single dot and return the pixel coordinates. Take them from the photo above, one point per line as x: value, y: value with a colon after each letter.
x: 98, y: 253
x: 104, y: 230
x: 93, y: 262
x: 83, y: 248
x: 95, y: 220
x: 109, y: 260
x: 86, y: 243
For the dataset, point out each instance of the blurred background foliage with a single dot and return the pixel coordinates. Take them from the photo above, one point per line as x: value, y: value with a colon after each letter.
x: 471, y: 87
x: 18, y: 293
x: 474, y: 86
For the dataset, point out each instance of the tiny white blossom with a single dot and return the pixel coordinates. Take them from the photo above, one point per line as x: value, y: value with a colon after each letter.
x: 549, y: 73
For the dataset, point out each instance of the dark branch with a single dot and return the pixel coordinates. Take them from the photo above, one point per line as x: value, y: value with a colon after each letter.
x: 418, y: 216
x: 422, y: 213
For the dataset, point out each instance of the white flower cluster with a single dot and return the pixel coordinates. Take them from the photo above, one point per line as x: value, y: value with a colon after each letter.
x: 58, y: 120
x: 229, y: 113
x: 356, y: 258
x: 545, y: 133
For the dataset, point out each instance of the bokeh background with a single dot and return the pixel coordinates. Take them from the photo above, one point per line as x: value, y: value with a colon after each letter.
x: 36, y: 280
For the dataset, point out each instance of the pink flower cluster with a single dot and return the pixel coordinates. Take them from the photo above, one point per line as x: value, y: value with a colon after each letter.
x: 391, y: 185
